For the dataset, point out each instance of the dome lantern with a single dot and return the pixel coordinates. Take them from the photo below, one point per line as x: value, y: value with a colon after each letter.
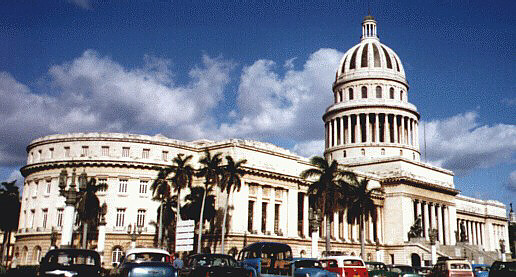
x: 369, y: 28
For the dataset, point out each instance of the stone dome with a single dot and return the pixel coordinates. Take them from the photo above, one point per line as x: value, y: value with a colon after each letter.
x: 370, y: 59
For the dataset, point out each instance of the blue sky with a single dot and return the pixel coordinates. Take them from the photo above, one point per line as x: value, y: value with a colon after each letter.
x: 258, y: 70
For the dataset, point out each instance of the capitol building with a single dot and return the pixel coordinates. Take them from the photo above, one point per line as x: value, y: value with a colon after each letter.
x: 371, y: 128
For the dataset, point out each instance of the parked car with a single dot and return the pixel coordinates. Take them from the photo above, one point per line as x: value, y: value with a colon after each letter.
x: 345, y: 265
x: 302, y: 267
x: 403, y: 270
x: 452, y: 268
x: 480, y: 270
x: 70, y: 262
x: 379, y: 269
x: 266, y: 259
x: 499, y: 268
x: 140, y: 262
x: 423, y: 270
x: 213, y: 265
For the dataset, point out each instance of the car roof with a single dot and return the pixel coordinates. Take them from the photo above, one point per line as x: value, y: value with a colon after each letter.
x: 146, y: 250
x: 342, y: 258
x: 73, y: 251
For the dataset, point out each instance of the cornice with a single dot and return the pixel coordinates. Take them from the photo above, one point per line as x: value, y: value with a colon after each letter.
x: 418, y: 184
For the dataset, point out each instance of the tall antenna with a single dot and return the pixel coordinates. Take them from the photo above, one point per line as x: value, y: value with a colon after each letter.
x: 424, y: 137
x: 368, y: 7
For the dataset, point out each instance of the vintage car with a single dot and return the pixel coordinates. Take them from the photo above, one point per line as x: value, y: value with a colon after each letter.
x: 403, y: 270
x: 141, y: 262
x: 345, y: 265
x: 452, y: 267
x: 213, y: 265
x: 302, y: 267
x: 480, y: 270
x: 379, y: 269
x: 500, y: 268
x: 266, y: 259
x: 70, y: 262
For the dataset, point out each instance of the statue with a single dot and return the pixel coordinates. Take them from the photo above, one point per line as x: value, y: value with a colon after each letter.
x: 416, y: 230
x: 463, y: 236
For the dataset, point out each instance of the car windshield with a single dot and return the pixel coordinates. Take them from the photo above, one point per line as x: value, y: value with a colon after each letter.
x: 308, y: 264
x: 146, y: 257
x: 67, y: 259
x: 375, y: 266
x: 459, y: 266
x: 403, y: 269
x: 213, y: 261
x: 353, y: 263
x: 481, y: 268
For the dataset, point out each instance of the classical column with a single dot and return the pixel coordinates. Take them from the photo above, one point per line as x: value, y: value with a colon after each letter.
x: 305, y: 215
x: 336, y: 225
x: 67, y: 229
x: 379, y: 230
x: 440, y: 223
x: 446, y: 225
x: 349, y: 129
x: 371, y: 229
x: 358, y: 132
x: 386, y: 134
x: 395, y: 128
x: 345, y: 226
x: 403, y: 139
x: 418, y: 207
x: 341, y: 120
x: 334, y: 133
x: 479, y: 238
x: 367, y: 131
x: 326, y: 134
x: 426, y: 219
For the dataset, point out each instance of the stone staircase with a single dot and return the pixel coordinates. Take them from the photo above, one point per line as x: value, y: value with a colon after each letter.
x: 472, y: 253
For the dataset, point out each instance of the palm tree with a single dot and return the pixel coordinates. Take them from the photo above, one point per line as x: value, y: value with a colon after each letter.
x: 183, y: 177
x: 231, y: 180
x: 161, y: 191
x: 10, y: 199
x: 326, y: 187
x: 360, y: 206
x: 192, y: 208
x: 211, y: 170
x: 88, y: 206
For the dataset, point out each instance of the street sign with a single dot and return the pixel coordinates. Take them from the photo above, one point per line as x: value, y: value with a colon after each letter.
x: 184, y: 235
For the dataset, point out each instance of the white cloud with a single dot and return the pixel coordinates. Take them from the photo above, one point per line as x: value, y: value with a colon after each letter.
x: 94, y: 93
x: 512, y: 181
x: 85, y: 4
x: 461, y: 144
x: 310, y: 148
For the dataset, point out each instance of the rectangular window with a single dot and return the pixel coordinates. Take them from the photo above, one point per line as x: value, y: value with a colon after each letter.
x: 140, y: 218
x: 105, y: 151
x: 164, y: 155
x: 49, y: 186
x: 264, y: 217
x: 300, y: 207
x: 31, y: 219
x: 120, y: 216
x: 145, y: 153
x: 125, y: 152
x: 67, y: 151
x: 84, y: 151
x: 143, y: 186
x: 51, y: 153
x: 44, y: 217
x: 250, y: 211
x: 60, y: 217
x: 122, y: 186
x: 102, y: 181
x: 40, y: 156
x: 35, y: 189
x: 276, y: 218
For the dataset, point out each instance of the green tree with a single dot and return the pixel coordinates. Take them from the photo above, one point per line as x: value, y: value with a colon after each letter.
x: 326, y: 187
x: 161, y: 192
x: 360, y: 205
x: 231, y: 180
x: 10, y: 199
x: 183, y: 177
x: 192, y: 208
x: 88, y: 206
x: 211, y: 170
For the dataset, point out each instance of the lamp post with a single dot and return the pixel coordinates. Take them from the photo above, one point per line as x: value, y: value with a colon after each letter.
x: 134, y: 231
x: 315, y: 221
x: 432, y: 233
x: 53, y: 238
x: 502, y: 249
x: 71, y: 197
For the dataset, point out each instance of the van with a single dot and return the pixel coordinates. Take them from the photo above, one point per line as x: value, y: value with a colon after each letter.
x: 452, y: 268
x: 345, y: 266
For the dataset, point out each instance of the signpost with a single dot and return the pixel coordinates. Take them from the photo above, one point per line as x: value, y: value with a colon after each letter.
x: 185, y: 235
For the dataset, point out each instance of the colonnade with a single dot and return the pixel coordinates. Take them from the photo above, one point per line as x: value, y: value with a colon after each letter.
x: 434, y: 216
x: 474, y: 231
x: 371, y: 127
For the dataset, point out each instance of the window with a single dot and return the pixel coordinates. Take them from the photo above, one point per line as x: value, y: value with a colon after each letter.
x: 116, y: 255
x: 31, y: 218
x: 378, y: 92
x: 35, y: 189
x: 350, y: 94
x: 383, y: 151
x: 364, y: 92
x: 84, y: 151
x: 344, y: 153
x: 105, y: 151
x: 264, y: 217
x: 143, y: 186
x: 391, y: 93
x: 44, y: 218
x: 362, y: 151
x: 102, y: 181
x: 125, y: 152
x: 67, y: 151
x: 122, y: 186
x: 49, y: 186
x: 37, y: 254
x: 120, y: 216
x: 164, y: 155
x: 250, y: 211
x: 340, y: 95
x: 300, y: 214
x: 60, y: 217
x: 276, y: 218
x: 40, y: 157
x: 401, y: 95
x: 51, y: 153
x: 364, y: 55
x: 140, y: 218
x: 145, y: 153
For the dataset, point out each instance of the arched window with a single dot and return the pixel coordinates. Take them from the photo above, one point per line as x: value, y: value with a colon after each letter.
x: 36, y: 256
x: 391, y: 93
x: 401, y: 95
x: 25, y: 255
x: 340, y: 96
x: 363, y: 151
x: 383, y: 151
x: 116, y: 255
x: 378, y: 92
x: 350, y: 94
x: 413, y: 156
x: 364, y: 92
x: 401, y: 152
x: 344, y: 153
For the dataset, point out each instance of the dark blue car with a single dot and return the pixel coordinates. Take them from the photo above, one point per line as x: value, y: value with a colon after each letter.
x: 302, y: 267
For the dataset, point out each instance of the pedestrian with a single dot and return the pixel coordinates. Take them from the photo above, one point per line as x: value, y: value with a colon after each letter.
x: 178, y: 263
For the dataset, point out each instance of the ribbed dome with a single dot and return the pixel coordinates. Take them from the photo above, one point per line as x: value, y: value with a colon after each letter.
x: 370, y: 58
